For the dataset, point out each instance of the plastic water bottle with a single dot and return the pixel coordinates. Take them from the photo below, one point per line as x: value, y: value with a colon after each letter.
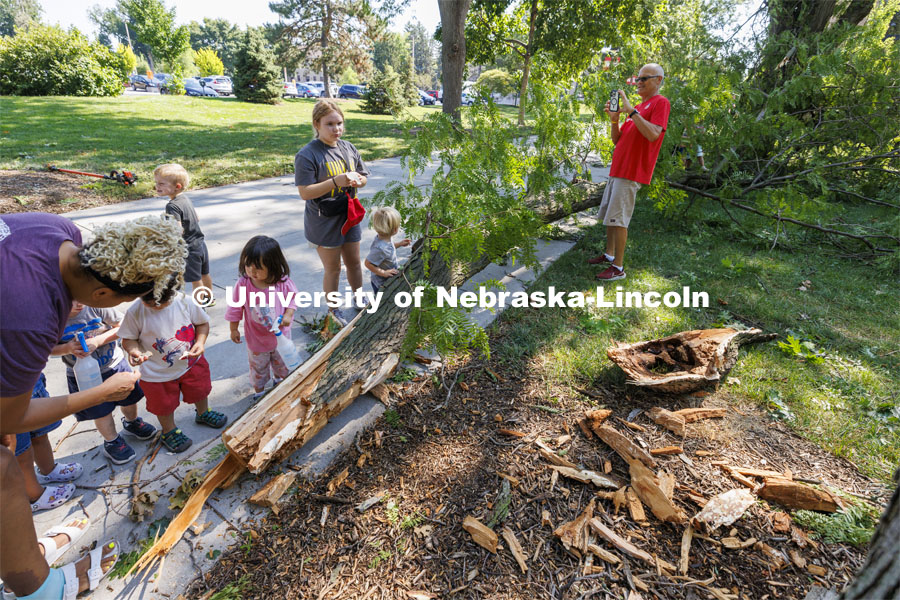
x: 87, y: 369
x: 285, y: 347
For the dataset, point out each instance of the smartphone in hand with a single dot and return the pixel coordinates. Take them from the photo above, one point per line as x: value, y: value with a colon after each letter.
x: 614, y: 101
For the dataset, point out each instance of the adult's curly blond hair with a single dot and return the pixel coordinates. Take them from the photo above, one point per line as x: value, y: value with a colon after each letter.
x: 147, y: 249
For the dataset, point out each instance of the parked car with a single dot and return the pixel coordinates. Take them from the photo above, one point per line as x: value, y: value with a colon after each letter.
x: 467, y: 100
x: 425, y: 98
x: 220, y: 83
x: 436, y: 94
x: 351, y: 91
x: 290, y: 90
x: 319, y: 86
x: 142, y: 82
x: 192, y: 87
x: 307, y: 92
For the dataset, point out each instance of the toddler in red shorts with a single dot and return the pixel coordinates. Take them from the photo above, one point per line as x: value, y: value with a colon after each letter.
x: 167, y: 339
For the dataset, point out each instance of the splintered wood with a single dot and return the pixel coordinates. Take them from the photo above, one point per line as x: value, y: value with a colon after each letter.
x: 515, y: 548
x: 481, y: 534
x: 684, y: 362
x: 270, y: 493
x: 575, y: 534
x: 624, y: 447
x: 627, y: 547
x: 646, y: 485
x: 791, y: 494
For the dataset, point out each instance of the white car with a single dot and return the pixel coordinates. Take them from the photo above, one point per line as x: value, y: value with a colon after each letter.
x: 320, y: 87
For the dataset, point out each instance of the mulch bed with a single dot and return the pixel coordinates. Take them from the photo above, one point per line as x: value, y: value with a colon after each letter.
x: 437, y: 459
x: 45, y: 191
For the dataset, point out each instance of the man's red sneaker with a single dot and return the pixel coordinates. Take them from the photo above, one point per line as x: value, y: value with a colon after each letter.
x: 612, y: 273
x: 599, y: 260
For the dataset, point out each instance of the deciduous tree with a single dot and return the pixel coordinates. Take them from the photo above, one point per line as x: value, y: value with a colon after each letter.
x: 154, y: 25
x: 328, y: 34
x: 18, y: 14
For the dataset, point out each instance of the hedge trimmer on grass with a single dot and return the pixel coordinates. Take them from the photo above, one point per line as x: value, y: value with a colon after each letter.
x: 125, y: 177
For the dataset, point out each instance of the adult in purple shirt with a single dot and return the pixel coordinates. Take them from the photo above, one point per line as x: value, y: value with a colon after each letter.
x: 45, y: 267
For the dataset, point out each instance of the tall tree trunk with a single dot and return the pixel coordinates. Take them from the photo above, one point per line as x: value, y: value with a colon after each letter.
x: 326, y: 29
x: 880, y: 576
x: 526, y: 70
x: 453, y: 51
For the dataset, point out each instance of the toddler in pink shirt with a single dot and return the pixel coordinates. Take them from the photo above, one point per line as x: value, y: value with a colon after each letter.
x: 262, y: 267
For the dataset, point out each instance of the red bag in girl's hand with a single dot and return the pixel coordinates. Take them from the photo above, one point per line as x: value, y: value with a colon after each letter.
x: 355, y: 214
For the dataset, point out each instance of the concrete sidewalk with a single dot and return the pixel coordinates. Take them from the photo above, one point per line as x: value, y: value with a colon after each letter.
x: 229, y: 216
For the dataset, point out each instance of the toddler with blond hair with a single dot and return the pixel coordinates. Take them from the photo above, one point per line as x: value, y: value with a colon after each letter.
x: 382, y: 259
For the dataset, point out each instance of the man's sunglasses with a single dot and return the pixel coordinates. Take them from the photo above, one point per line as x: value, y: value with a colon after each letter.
x: 643, y: 79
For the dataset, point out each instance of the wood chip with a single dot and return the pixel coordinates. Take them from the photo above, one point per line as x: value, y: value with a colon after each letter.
x: 552, y: 457
x: 635, y: 508
x: 270, y: 493
x: 575, y: 533
x: 335, y: 483
x: 515, y: 548
x: 794, y: 495
x: 703, y: 453
x: 514, y: 481
x: 686, y: 539
x: 816, y: 570
x: 733, y: 543
x: 596, y: 417
x: 646, y: 486
x: 632, y: 426
x: 695, y: 414
x: 511, y: 432
x: 758, y: 472
x: 667, y: 419
x: 623, y: 446
x: 367, y: 504
x: 545, y: 519
x: 797, y: 558
x: 781, y: 522
x: 585, y: 476
x: 604, y: 554
x: 481, y: 534
x: 666, y: 451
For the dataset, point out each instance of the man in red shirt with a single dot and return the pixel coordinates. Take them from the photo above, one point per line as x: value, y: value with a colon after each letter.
x: 637, y: 147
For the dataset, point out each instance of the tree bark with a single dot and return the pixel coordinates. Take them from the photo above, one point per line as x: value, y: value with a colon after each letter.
x: 880, y: 576
x: 453, y: 52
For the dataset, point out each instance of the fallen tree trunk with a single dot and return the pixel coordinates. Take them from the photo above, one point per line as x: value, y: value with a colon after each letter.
x: 360, y: 357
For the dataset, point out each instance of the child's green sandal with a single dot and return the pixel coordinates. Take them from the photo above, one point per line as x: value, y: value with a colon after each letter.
x: 212, y: 418
x: 176, y: 441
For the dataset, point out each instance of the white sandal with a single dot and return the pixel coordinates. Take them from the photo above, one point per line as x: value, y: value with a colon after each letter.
x: 51, y: 551
x: 61, y: 473
x: 95, y: 571
x: 53, y: 496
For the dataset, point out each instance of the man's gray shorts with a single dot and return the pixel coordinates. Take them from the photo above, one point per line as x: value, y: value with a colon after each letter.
x: 617, y: 205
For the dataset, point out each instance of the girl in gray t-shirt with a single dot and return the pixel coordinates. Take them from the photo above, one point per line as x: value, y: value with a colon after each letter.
x: 326, y: 167
x: 382, y: 259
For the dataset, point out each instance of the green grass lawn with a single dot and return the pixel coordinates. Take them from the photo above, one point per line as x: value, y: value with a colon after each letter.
x: 848, y: 403
x: 218, y: 141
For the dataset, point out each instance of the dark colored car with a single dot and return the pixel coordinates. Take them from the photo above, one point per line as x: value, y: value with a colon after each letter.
x: 352, y: 91
x: 425, y: 98
x: 142, y: 82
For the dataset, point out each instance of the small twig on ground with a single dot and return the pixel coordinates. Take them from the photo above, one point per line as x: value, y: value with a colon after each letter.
x: 59, y: 443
